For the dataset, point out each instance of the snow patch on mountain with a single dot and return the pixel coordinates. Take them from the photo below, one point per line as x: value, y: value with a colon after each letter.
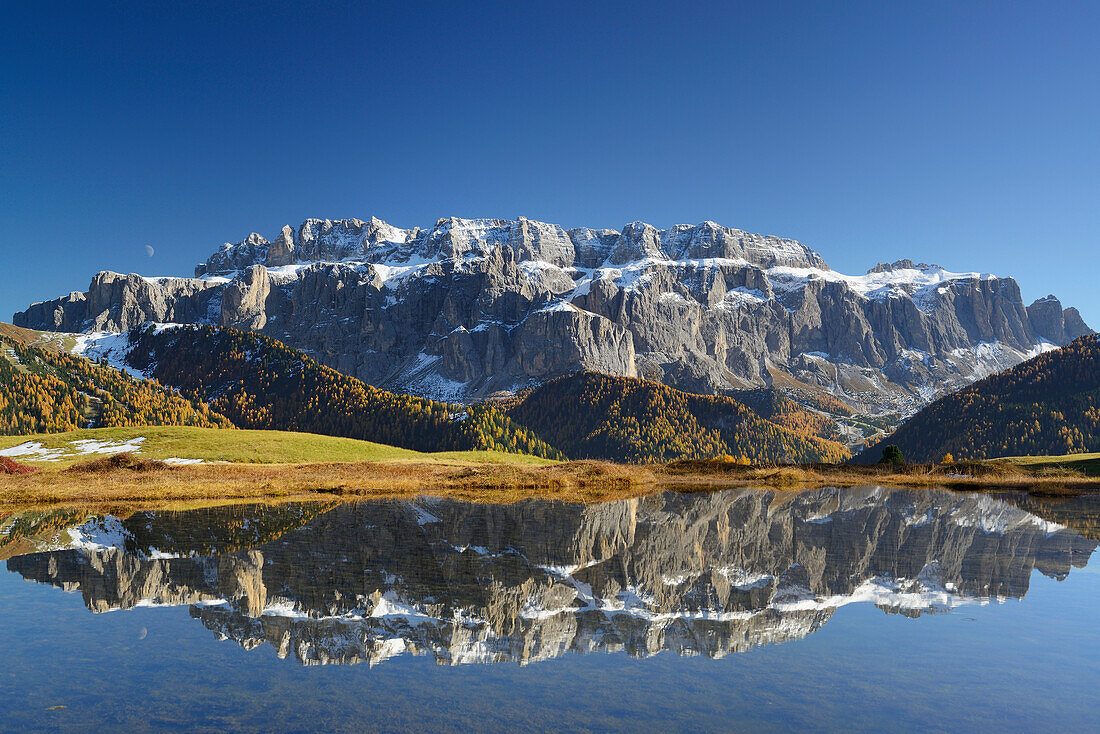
x: 110, y: 346
x: 114, y: 347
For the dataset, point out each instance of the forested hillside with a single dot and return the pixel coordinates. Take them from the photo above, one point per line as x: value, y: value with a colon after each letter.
x: 1047, y: 406
x: 259, y: 382
x: 773, y: 406
x: 590, y: 415
x: 43, y: 391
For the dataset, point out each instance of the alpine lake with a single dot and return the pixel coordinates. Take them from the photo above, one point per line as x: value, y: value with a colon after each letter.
x: 865, y: 609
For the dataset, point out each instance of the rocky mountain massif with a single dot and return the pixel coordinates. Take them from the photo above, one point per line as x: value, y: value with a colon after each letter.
x: 468, y: 308
x: 699, y: 574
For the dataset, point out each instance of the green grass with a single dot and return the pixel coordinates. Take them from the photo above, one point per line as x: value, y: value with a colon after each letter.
x: 1088, y: 464
x: 251, y: 447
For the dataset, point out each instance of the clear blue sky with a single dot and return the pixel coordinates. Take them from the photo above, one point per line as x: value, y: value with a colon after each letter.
x: 964, y: 134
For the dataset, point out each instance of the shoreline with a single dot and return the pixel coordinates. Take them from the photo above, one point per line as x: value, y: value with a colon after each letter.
x: 100, y: 482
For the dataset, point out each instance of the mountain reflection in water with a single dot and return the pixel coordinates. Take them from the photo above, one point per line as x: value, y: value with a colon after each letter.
x: 697, y: 574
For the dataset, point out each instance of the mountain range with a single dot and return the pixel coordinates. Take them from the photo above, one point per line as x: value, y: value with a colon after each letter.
x: 466, y: 309
x: 258, y: 382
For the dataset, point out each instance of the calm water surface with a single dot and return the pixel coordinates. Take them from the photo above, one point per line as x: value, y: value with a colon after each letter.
x: 870, y: 609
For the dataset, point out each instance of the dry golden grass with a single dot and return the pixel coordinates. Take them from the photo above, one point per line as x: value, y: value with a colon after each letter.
x: 104, y: 482
x: 960, y: 476
x: 122, y: 481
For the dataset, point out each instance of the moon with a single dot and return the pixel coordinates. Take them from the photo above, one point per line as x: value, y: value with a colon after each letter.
x: 149, y: 250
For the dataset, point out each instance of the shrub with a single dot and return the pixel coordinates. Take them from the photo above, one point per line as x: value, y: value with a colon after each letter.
x: 7, y: 466
x: 125, y: 460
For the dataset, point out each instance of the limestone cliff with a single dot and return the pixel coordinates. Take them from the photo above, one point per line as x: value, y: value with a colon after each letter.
x: 470, y: 307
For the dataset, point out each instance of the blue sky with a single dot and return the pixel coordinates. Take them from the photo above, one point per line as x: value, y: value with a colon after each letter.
x: 963, y: 134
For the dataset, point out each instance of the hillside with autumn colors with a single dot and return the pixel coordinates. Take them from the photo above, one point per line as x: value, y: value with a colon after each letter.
x: 1047, y: 406
x: 49, y: 391
x: 591, y: 415
x: 259, y: 382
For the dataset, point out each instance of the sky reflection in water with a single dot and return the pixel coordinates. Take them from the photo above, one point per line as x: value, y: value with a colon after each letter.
x: 886, y: 609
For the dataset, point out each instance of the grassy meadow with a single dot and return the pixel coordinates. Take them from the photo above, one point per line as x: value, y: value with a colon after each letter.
x: 213, y: 445
x: 1085, y: 464
x: 247, y: 465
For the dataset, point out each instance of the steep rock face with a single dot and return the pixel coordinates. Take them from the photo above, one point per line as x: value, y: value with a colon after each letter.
x: 61, y: 314
x: 116, y: 302
x: 712, y: 573
x: 1050, y: 321
x: 244, y: 299
x: 1075, y: 325
x: 469, y: 307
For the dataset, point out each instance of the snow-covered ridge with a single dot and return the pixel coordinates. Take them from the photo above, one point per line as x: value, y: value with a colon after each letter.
x: 582, y: 253
x: 921, y: 284
x: 350, y: 240
x: 471, y: 307
x: 551, y: 257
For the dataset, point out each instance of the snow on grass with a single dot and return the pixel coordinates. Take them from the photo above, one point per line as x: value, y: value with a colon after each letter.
x: 36, y: 451
x: 91, y: 446
x: 33, y: 451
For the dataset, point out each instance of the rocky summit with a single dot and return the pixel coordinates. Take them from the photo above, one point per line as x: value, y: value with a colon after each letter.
x: 469, y: 308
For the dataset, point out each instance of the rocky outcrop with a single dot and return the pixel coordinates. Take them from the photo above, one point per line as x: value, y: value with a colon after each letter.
x: 244, y: 300
x: 709, y: 573
x: 1075, y: 325
x: 117, y: 302
x: 470, y: 307
x: 1051, y: 322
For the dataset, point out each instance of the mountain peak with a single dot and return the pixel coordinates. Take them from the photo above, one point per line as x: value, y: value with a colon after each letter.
x: 904, y: 264
x: 470, y: 307
x: 343, y: 240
